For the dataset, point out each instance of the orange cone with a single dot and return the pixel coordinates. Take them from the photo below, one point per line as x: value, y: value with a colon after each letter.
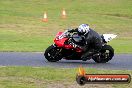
x: 45, y: 18
x: 63, y: 14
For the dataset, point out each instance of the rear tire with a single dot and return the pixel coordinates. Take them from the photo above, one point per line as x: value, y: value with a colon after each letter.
x: 107, y: 52
x: 52, y: 54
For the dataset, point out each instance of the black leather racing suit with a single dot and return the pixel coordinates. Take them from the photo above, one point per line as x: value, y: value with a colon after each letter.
x: 93, y: 43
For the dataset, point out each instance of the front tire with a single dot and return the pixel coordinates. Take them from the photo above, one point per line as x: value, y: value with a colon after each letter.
x: 107, y: 53
x: 52, y: 54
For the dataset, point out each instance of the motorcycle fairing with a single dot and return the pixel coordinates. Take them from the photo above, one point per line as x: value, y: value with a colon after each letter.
x: 109, y: 37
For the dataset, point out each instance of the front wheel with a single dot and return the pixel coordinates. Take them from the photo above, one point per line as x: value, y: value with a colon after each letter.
x: 107, y: 52
x: 52, y: 54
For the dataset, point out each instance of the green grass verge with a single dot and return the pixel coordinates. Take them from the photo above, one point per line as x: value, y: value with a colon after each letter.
x: 21, y: 28
x: 41, y: 77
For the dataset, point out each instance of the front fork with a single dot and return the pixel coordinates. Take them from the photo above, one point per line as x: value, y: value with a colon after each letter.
x: 58, y: 49
x: 54, y: 45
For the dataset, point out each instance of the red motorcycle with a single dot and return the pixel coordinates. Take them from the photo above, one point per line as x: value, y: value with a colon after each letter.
x: 65, y: 46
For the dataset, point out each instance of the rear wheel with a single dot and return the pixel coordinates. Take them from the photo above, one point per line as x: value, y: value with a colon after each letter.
x: 107, y: 52
x: 52, y: 54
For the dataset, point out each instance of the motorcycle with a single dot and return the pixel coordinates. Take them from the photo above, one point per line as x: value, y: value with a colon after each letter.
x: 65, y: 46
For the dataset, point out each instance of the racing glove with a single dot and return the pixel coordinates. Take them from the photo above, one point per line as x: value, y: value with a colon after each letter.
x: 75, y: 45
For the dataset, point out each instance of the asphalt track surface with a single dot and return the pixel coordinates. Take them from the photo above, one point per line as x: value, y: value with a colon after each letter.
x: 119, y: 61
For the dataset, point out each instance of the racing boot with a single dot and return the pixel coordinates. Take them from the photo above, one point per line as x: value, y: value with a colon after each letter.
x: 87, y: 56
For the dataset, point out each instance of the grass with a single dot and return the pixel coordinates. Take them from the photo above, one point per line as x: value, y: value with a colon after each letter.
x: 43, y: 77
x: 121, y: 45
x: 21, y: 28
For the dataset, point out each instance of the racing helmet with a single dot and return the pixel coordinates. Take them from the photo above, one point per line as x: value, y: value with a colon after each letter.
x: 83, y: 29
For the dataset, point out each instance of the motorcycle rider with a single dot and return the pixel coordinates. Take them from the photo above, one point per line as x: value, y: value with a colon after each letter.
x: 93, y: 42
